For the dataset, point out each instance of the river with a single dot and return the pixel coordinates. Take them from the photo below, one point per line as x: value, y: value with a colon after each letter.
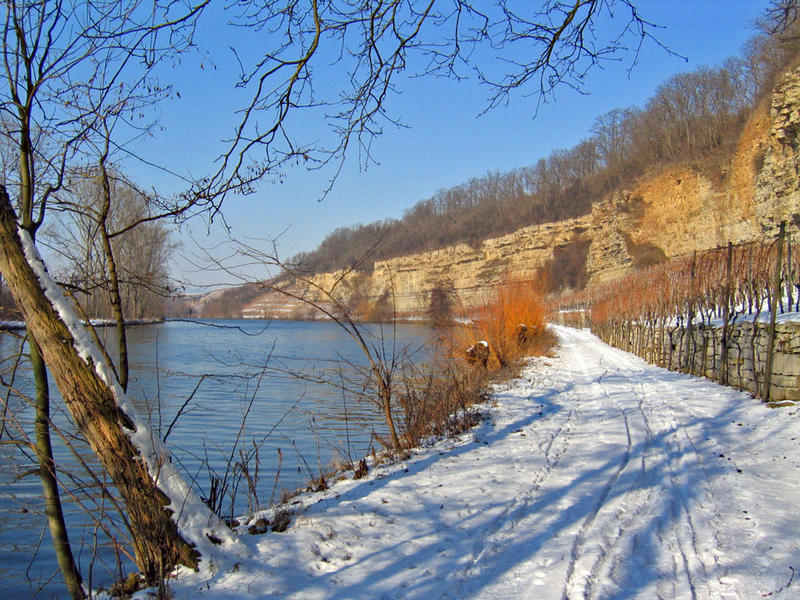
x: 244, y: 389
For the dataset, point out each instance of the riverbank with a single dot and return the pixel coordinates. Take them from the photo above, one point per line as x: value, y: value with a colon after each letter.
x: 593, y: 475
x: 20, y: 325
x: 169, y: 362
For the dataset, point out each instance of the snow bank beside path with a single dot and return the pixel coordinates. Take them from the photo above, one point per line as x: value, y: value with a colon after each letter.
x: 595, y: 476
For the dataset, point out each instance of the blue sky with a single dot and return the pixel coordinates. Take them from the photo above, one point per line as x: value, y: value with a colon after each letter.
x: 445, y: 143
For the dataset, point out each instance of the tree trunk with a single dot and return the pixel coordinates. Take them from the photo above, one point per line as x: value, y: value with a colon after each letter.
x: 158, y: 545
x: 47, y: 475
x: 113, y: 279
x: 386, y: 397
x: 116, y: 307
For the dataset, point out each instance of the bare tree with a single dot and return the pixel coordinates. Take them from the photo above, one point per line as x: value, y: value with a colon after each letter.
x: 62, y: 63
x: 369, y: 48
x: 112, y: 256
x: 782, y: 16
x: 95, y: 217
x: 67, y: 66
x: 613, y: 137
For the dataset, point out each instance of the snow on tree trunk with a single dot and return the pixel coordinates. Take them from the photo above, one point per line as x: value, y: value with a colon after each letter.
x: 169, y: 525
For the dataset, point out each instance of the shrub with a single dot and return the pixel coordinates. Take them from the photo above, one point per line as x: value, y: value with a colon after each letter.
x: 438, y: 399
x: 512, y: 320
x: 441, y: 303
x: 568, y: 269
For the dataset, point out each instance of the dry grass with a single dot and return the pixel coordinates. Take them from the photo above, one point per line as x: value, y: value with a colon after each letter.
x: 437, y: 400
x: 512, y: 320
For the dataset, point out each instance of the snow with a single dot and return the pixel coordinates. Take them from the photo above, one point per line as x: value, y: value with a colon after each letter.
x: 765, y: 316
x: 481, y: 343
x: 11, y: 325
x: 595, y: 475
x: 193, y: 518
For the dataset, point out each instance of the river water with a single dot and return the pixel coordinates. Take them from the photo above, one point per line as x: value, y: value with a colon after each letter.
x: 280, y: 397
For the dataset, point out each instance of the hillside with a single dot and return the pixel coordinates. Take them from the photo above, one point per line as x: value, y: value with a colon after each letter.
x: 693, y: 118
x: 683, y: 208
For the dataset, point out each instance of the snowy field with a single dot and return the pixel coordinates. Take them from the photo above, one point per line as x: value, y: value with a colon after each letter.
x: 596, y: 475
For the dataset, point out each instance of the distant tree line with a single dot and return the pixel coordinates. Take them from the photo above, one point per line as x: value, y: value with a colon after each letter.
x: 224, y: 304
x: 141, y: 246
x: 693, y: 118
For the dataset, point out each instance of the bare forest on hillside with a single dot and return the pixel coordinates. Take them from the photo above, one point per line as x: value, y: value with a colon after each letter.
x: 694, y: 117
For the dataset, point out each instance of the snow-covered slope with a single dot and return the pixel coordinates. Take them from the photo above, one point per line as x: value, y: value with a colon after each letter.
x: 595, y: 476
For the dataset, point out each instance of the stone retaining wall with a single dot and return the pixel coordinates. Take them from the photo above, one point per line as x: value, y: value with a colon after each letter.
x: 700, y: 353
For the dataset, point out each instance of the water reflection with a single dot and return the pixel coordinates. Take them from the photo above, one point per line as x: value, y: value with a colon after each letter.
x: 234, y: 374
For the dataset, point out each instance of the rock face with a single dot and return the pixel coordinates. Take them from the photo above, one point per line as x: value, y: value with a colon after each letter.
x: 470, y: 272
x: 777, y: 186
x: 672, y: 213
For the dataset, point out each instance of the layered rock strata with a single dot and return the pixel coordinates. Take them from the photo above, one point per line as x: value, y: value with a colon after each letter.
x: 675, y: 212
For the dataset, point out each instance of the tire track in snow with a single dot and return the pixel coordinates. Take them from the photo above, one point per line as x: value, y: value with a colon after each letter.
x: 621, y: 526
x: 552, y: 457
x: 577, y: 555
x: 554, y: 444
x: 698, y: 529
x: 580, y: 520
x: 690, y: 525
x: 624, y: 538
x: 588, y: 566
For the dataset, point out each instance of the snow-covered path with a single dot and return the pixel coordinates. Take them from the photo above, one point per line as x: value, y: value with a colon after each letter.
x: 596, y: 476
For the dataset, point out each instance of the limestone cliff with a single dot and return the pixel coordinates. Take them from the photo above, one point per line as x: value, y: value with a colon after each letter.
x: 674, y: 212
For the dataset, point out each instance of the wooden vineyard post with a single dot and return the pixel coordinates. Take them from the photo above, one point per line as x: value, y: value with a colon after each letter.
x: 726, y: 315
x: 788, y: 268
x: 776, y: 292
x: 689, y: 364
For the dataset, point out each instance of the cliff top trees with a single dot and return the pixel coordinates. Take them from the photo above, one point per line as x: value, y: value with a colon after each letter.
x: 693, y: 117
